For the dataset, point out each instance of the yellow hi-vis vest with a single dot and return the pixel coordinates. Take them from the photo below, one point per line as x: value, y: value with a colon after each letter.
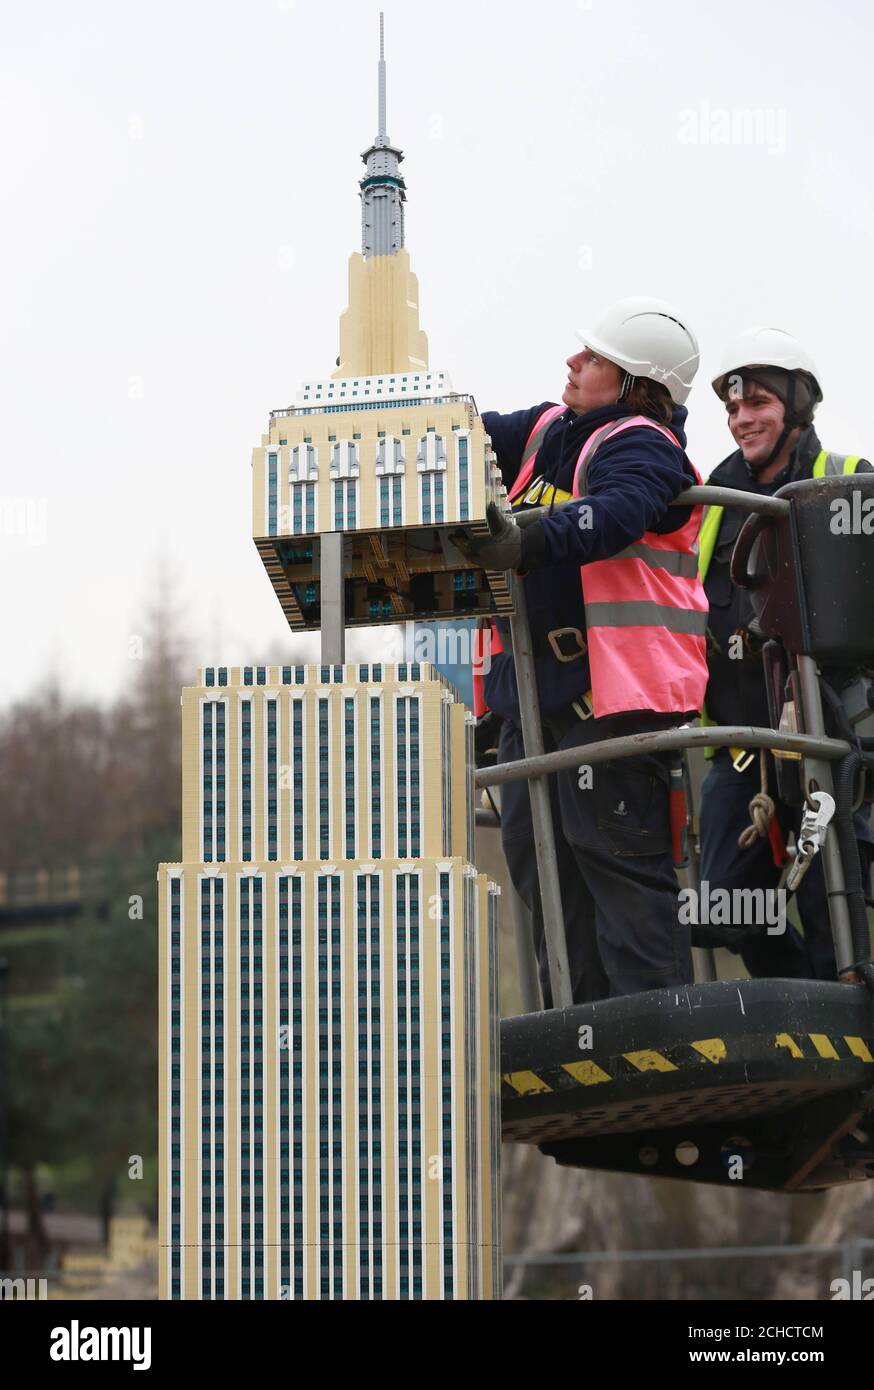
x: 826, y: 465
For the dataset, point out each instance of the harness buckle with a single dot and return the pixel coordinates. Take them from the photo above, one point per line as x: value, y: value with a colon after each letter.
x: 584, y: 707
x: 741, y: 758
x: 557, y: 632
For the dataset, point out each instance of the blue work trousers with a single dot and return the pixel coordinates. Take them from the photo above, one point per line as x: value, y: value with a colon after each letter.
x: 613, y: 843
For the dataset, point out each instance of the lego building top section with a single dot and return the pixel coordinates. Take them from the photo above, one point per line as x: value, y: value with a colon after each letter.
x: 397, y: 386
x: 397, y: 482
x: 359, y: 673
x: 426, y: 465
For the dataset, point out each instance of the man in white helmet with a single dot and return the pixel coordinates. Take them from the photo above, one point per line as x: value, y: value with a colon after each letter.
x: 617, y: 618
x: 770, y: 386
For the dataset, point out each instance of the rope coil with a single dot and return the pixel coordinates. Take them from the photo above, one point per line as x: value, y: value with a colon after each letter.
x: 762, y: 808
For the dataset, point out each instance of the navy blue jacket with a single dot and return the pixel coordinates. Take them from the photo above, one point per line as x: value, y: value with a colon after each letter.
x: 630, y: 482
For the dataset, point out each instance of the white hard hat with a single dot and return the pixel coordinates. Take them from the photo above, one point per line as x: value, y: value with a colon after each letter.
x: 766, y: 347
x: 647, y: 337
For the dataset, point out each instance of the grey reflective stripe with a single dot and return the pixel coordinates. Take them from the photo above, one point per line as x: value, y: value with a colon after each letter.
x: 534, y: 443
x: 645, y: 613
x: 674, y: 561
x: 836, y: 464
x: 588, y: 451
x: 594, y: 443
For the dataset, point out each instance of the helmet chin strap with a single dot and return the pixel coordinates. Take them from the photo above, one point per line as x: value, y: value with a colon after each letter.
x: 626, y: 387
x: 774, y: 454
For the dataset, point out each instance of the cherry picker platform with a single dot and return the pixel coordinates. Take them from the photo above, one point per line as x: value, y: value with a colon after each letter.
x: 680, y: 1082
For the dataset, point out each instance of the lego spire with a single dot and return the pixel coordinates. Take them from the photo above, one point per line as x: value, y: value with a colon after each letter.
x: 381, y: 137
x: 379, y: 331
x: 383, y: 191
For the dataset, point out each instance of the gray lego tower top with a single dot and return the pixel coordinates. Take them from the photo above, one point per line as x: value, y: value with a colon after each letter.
x: 383, y: 191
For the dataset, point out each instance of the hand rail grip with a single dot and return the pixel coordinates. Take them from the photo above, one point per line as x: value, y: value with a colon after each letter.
x: 709, y: 496
x: 662, y: 741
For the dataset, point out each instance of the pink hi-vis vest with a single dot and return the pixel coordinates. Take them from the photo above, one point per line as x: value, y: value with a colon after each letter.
x: 646, y: 610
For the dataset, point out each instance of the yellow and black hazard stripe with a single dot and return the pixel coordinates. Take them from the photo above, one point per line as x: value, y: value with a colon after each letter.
x: 705, y: 1052
x: 813, y: 1045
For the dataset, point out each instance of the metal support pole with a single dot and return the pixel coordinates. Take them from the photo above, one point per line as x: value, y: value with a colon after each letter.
x: 333, y: 599
x: 704, y: 960
x: 541, y: 811
x: 832, y: 864
x: 704, y: 957
x: 529, y: 983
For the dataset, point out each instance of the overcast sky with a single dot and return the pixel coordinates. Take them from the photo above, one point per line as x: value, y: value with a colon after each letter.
x: 181, y: 200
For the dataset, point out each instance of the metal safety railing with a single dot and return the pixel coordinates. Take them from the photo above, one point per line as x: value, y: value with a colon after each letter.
x: 817, y: 751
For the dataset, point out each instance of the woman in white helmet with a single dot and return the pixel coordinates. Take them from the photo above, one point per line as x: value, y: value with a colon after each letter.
x: 770, y: 386
x: 617, y: 619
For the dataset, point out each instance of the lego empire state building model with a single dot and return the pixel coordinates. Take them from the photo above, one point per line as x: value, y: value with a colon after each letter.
x: 329, y: 1122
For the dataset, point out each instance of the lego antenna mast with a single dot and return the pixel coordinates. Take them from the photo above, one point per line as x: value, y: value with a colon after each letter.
x: 382, y: 131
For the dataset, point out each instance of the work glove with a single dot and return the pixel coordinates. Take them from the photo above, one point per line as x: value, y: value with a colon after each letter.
x: 508, y: 546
